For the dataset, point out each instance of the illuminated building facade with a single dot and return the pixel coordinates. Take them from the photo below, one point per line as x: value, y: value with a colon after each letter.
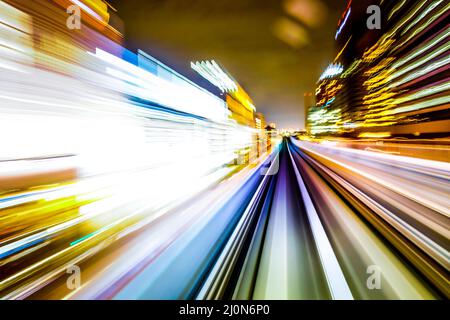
x: 79, y: 99
x: 238, y: 101
x: 58, y: 48
x: 241, y: 106
x: 260, y: 125
x: 392, y: 80
x: 260, y: 121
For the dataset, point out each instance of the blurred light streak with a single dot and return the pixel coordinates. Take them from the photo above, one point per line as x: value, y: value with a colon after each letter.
x: 211, y: 71
x: 399, y: 5
x: 375, y: 135
x: 331, y: 71
x: 98, y: 6
x: 344, y: 22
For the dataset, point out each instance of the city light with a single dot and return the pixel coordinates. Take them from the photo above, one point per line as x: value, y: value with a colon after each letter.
x: 212, y: 72
x: 343, y: 23
x: 331, y: 71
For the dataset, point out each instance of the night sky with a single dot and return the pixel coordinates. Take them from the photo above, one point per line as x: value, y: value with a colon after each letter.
x: 275, y: 49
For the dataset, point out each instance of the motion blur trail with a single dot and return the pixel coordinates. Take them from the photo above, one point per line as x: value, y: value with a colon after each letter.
x: 311, y: 238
